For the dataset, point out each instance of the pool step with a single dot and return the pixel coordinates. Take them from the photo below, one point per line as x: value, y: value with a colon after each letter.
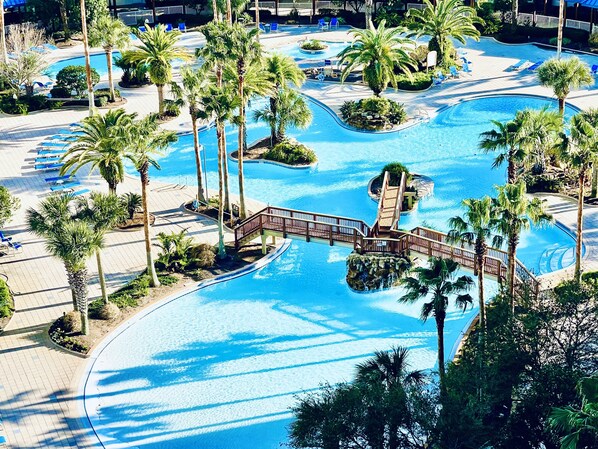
x: 555, y: 258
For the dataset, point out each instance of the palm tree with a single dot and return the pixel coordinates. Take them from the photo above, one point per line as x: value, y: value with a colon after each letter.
x: 504, y: 138
x: 101, y: 145
x: 380, y: 51
x: 103, y: 212
x: 291, y: 110
x: 190, y: 91
x: 109, y: 33
x: 440, y: 281
x: 157, y: 50
x: 514, y: 212
x: 578, y: 421
x: 564, y: 75
x: 475, y: 229
x: 145, y: 141
x: 538, y: 135
x: 220, y: 103
x: 580, y: 150
x: 87, y: 58
x: 444, y: 20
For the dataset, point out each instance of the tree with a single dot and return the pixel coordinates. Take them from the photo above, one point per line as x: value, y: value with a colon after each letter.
x: 190, y: 91
x: 102, y: 212
x: 146, y: 140
x: 444, y: 20
x: 564, y: 75
x: 580, y: 150
x: 504, y: 138
x: 514, y: 212
x: 157, y: 50
x: 8, y: 205
x: 440, y: 281
x: 381, y: 51
x: 101, y: 144
x: 538, y: 136
x: 291, y: 110
x: 88, y: 69
x: 475, y: 228
x: 74, y: 77
x: 578, y: 422
x: 109, y: 34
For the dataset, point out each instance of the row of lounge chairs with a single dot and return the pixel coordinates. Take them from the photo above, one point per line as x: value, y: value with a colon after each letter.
x: 322, y: 25
x: 532, y: 67
x: 181, y: 27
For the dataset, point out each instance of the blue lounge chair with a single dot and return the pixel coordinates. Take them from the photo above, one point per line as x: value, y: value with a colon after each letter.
x: 51, y: 166
x: 454, y: 72
x: 169, y: 27
x: 534, y: 66
x: 142, y: 29
x: 466, y: 68
x: 182, y: 27
x: 58, y: 178
x: 80, y: 192
x: 262, y: 27
x: 51, y: 152
x: 64, y: 186
x: 595, y: 69
x: 322, y: 25
x: 50, y: 47
x: 517, y: 66
x: 54, y: 144
x: 273, y: 27
x: 47, y: 159
x: 3, y: 237
x: 334, y: 23
x: 439, y: 75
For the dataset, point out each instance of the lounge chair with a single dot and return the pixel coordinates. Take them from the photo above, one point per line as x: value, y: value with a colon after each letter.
x: 10, y: 248
x: 594, y: 69
x: 262, y: 27
x: 182, y: 27
x: 80, y: 192
x: 466, y: 68
x: 51, y: 152
x: 517, y: 66
x: 142, y: 29
x: 46, y: 166
x: 53, y: 145
x: 169, y: 27
x: 58, y: 178
x: 454, y: 72
x: 4, y: 238
x: 535, y: 65
x: 274, y: 27
x: 334, y: 23
x: 439, y: 75
x: 64, y: 186
x: 322, y: 25
x: 50, y: 47
x: 50, y: 158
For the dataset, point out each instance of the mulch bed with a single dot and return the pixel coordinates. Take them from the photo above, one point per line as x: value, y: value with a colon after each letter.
x: 136, y: 222
x: 255, y: 151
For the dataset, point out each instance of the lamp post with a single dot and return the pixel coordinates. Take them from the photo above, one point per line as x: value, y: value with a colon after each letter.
x: 559, y: 39
x: 87, y: 60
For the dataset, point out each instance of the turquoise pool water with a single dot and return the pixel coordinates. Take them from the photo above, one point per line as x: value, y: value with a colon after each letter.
x: 97, y: 61
x: 293, y: 50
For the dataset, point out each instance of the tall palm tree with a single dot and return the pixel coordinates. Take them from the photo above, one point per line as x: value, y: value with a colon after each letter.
x: 515, y: 212
x: 538, y: 135
x: 505, y: 140
x: 190, y: 91
x: 51, y: 216
x: 475, y: 228
x: 158, y: 48
x: 291, y: 110
x: 220, y: 103
x: 438, y: 282
x: 145, y: 141
x: 380, y: 51
x: 87, y: 57
x: 580, y: 150
x: 564, y: 75
x: 444, y: 20
x: 103, y: 212
x: 109, y: 33
x: 100, y: 145
x: 578, y: 421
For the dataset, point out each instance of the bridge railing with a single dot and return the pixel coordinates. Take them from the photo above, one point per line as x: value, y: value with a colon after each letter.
x: 396, y: 215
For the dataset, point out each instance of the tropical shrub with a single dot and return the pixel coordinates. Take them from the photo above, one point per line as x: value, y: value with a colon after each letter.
x: 105, y: 93
x: 202, y: 256
x: 175, y: 251
x: 132, y: 202
x: 593, y: 41
x: 71, y: 322
x: 8, y: 204
x: 395, y: 170
x: 60, y: 92
x: 291, y: 152
x: 58, y: 335
x: 5, y: 301
x: 374, y: 113
x: 420, y: 56
x: 418, y: 81
x: 313, y: 44
x: 22, y: 105
x: 554, y: 41
x: 135, y: 74
x: 74, y: 78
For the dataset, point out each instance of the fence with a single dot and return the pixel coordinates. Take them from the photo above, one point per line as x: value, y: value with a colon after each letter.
x: 542, y: 21
x: 134, y: 17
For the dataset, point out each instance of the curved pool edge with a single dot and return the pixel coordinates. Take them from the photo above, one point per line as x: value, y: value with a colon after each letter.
x: 83, y: 412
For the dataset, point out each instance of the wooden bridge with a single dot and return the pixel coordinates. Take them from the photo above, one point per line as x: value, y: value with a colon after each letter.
x: 383, y: 237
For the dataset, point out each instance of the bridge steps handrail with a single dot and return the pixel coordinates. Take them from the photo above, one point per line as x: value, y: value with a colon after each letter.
x: 396, y: 215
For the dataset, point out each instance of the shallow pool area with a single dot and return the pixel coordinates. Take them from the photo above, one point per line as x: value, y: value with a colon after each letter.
x: 97, y: 61
x: 331, y: 52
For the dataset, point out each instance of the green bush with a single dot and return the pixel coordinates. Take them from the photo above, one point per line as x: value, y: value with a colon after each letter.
x: 418, y: 81
x: 74, y: 78
x: 100, y: 102
x: 420, y: 55
x: 23, y: 105
x: 313, y: 44
x: 591, y: 277
x: 58, y: 36
x: 554, y: 41
x: 60, y: 92
x: 374, y: 113
x: 106, y: 93
x: 202, y: 256
x: 172, y: 108
x: 395, y: 170
x: 5, y: 300
x: 291, y: 153
x: 593, y: 41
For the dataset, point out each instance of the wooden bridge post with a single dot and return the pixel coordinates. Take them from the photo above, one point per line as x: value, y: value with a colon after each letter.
x: 264, y: 238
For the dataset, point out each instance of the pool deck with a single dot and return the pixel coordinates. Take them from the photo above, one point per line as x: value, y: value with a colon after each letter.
x: 38, y: 381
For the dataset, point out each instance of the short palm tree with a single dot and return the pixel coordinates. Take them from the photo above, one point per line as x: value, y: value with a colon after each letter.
x: 580, y: 150
x: 580, y: 421
x: 515, y: 212
x: 220, y: 103
x: 538, y: 136
x: 103, y: 212
x: 563, y: 76
x: 190, y: 91
x: 109, y: 33
x: 474, y: 228
x: 438, y: 282
x: 380, y: 51
x: 101, y: 146
x: 504, y: 139
x: 444, y: 20
x: 158, y: 48
x: 145, y: 141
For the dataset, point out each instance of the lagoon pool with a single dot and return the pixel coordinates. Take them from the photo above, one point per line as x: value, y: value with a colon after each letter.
x: 293, y: 50
x: 97, y: 61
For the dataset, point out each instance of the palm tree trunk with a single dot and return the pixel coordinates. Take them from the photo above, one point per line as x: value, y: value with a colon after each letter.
x: 511, y: 168
x: 512, y: 258
x: 3, y: 36
x: 151, y: 269
x: 257, y: 17
x: 65, y: 20
x: 200, y: 192
x: 229, y: 12
x: 160, y: 98
x: 215, y: 8
x: 242, y: 211
x: 80, y: 279
x: 87, y: 60
x: 440, y: 331
x: 562, y: 106
x: 225, y: 172
x: 273, y: 109
x: 112, y: 187
x: 101, y: 276
x: 579, y: 237
x: 110, y: 79
x: 481, y: 266
x: 515, y: 12
x: 221, y: 248
x: 594, y: 181
x: 69, y: 276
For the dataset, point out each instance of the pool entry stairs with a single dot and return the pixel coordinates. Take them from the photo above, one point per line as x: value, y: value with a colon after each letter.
x: 383, y: 237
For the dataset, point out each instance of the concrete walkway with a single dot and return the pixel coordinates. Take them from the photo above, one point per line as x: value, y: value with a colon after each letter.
x: 36, y: 402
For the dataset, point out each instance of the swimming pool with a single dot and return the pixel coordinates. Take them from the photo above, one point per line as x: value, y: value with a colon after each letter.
x: 293, y: 50
x: 97, y: 61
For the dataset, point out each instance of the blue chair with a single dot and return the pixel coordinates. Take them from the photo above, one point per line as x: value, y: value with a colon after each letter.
x: 64, y: 186
x: 322, y: 25
x: 334, y: 23
x: 182, y: 27
x: 3, y: 238
x: 595, y: 69
x: 273, y: 27
x: 142, y: 29
x: 47, y: 159
x: 454, y: 72
x: 58, y: 178
x: 48, y: 166
x: 80, y: 192
x: 262, y: 27
x: 169, y: 27
x: 466, y: 68
x: 518, y: 65
x: 535, y: 66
